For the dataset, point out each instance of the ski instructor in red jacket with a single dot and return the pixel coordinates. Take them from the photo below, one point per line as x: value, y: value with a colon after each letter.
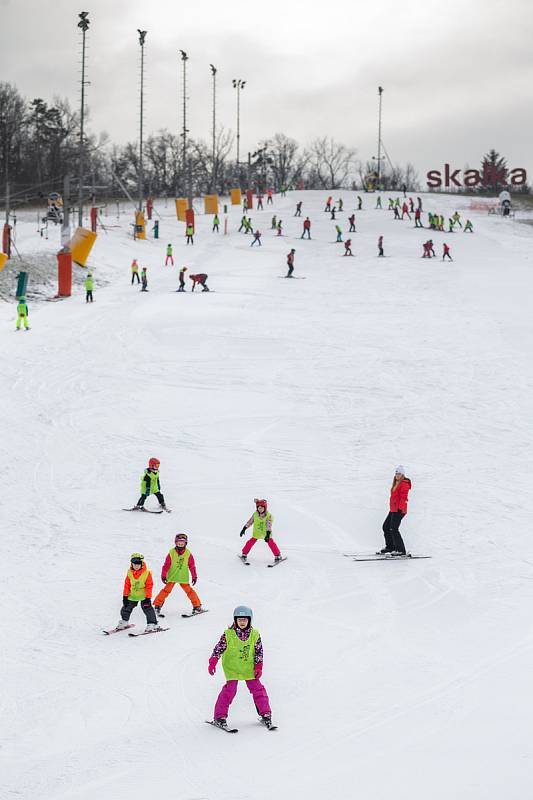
x: 397, y: 510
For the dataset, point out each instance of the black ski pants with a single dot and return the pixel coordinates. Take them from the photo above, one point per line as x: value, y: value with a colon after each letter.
x: 142, y: 499
x: 393, y: 537
x: 89, y: 296
x: 146, y: 605
x: 135, y: 276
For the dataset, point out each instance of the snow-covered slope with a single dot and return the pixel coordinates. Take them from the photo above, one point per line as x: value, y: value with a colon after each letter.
x: 389, y: 680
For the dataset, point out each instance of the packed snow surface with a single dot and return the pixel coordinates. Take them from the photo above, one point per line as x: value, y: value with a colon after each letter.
x: 403, y: 680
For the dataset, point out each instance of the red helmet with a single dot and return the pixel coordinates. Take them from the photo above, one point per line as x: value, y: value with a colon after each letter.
x: 262, y: 503
x: 154, y: 463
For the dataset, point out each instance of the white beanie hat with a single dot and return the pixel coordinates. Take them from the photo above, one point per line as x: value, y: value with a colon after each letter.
x: 400, y: 470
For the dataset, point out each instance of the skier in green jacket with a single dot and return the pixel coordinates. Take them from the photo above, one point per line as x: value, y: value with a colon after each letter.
x: 22, y: 313
x: 89, y: 285
x: 150, y: 484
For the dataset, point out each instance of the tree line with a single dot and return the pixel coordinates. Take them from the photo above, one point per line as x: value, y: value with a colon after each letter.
x: 40, y: 143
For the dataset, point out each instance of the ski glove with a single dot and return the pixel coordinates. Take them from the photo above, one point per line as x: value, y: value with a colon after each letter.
x: 258, y: 670
x: 163, y: 579
x: 194, y: 581
x: 268, y: 535
x: 212, y: 668
x: 242, y: 532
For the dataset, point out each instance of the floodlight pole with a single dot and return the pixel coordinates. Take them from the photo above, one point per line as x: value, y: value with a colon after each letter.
x: 380, y: 92
x: 239, y: 85
x: 213, y: 172
x: 142, y: 37
x: 84, y: 25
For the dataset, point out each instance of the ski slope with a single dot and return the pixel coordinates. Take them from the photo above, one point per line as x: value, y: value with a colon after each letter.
x: 389, y: 680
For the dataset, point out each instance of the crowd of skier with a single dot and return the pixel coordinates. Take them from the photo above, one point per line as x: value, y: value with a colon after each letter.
x: 239, y: 648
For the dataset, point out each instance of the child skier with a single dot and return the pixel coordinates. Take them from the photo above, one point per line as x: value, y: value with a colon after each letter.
x: 468, y: 227
x: 189, y: 233
x: 216, y: 223
x: 169, y: 257
x: 178, y: 564
x: 307, y: 228
x: 418, y: 220
x: 134, y: 272
x: 351, y: 220
x: 279, y: 228
x: 262, y: 521
x: 138, y: 586
x: 269, y: 198
x: 290, y: 263
x: 446, y: 252
x: 150, y: 484
x: 380, y: 246
x: 328, y: 204
x: 200, y: 278
x: 339, y: 233
x: 241, y: 650
x: 89, y: 284
x: 348, y: 247
x: 274, y: 223
x: 399, y: 493
x: 243, y: 225
x: 22, y: 313
x: 144, y: 280
x: 298, y: 212
x: 181, y: 276
x: 256, y: 239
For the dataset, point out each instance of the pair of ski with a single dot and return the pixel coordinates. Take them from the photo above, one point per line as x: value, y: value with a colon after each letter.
x: 185, y: 616
x: 137, y: 633
x: 267, y: 725
x: 382, y: 556
x: 147, y: 510
x: 274, y: 563
x: 156, y: 630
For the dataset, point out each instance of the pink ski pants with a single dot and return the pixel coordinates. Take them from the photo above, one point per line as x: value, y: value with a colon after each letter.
x: 229, y: 690
x: 250, y: 543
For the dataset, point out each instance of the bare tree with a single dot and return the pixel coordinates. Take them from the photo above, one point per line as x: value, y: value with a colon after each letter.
x: 332, y: 163
x: 286, y: 163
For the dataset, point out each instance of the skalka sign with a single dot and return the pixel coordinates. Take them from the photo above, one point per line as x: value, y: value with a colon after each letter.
x: 490, y: 176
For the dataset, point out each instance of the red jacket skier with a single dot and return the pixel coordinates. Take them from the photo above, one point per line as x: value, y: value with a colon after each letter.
x: 399, y: 492
x: 307, y: 228
x: 200, y: 278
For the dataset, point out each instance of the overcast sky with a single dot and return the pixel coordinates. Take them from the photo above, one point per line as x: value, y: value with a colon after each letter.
x: 457, y: 74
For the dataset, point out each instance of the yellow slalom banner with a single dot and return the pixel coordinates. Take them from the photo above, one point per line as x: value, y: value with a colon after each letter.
x: 211, y: 204
x: 80, y: 245
x: 182, y: 205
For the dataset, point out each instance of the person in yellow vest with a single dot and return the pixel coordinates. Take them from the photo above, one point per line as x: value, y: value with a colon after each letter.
x: 178, y: 564
x: 189, y: 233
x: 262, y: 521
x: 150, y: 484
x: 89, y: 285
x: 22, y: 313
x: 135, y: 272
x: 241, y: 650
x: 138, y: 586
